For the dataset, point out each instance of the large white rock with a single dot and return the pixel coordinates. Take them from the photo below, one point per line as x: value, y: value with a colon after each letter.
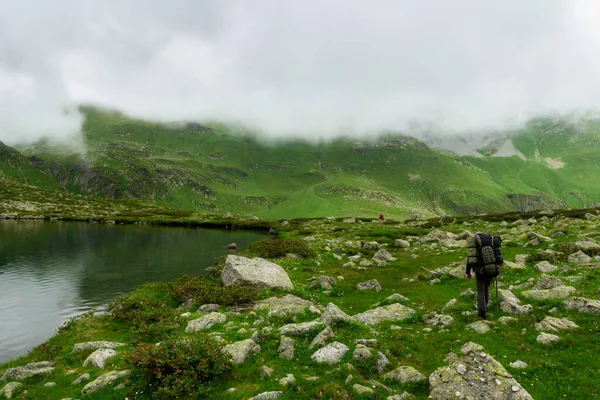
x: 239, y: 351
x: 479, y: 327
x: 554, y: 324
x: 205, y: 322
x: 99, y: 357
x: 475, y: 375
x: 257, y: 273
x: 333, y: 314
x: 392, y: 312
x: 330, y: 354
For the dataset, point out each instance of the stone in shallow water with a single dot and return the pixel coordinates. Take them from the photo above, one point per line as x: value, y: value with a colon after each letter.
x: 474, y: 381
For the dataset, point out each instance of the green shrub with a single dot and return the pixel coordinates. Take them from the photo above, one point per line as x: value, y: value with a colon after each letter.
x: 150, y: 319
x: 204, y: 290
x: 178, y: 368
x: 273, y: 248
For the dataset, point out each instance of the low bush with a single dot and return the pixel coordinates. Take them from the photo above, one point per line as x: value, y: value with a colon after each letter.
x: 204, y: 290
x: 274, y: 248
x: 150, y: 319
x: 178, y: 368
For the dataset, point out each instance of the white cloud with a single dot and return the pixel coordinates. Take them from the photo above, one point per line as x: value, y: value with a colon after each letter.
x: 312, y: 68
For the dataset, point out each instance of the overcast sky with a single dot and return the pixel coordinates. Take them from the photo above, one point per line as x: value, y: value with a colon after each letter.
x: 314, y: 67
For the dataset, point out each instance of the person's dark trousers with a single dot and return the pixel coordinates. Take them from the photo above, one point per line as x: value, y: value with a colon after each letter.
x: 483, y: 295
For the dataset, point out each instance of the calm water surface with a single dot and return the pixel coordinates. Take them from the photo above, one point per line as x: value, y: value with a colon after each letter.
x: 52, y: 271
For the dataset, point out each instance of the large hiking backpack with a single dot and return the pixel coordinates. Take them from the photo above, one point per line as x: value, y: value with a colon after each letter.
x: 489, y: 256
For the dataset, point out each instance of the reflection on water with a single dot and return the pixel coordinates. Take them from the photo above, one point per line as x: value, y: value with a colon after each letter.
x: 52, y: 271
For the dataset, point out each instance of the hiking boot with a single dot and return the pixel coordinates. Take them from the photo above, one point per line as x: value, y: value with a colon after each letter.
x: 481, y: 315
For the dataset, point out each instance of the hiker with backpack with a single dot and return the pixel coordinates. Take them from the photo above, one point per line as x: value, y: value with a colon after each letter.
x: 485, y: 259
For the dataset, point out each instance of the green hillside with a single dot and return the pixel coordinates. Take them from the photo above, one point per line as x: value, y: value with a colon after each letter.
x: 220, y: 168
x: 15, y: 167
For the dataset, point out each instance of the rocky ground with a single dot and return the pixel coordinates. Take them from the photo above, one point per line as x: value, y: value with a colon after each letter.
x: 382, y: 310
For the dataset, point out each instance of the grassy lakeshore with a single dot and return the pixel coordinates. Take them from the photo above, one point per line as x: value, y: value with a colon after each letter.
x: 420, y: 272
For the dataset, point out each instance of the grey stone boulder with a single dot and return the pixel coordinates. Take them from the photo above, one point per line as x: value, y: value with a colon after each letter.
x: 330, y: 354
x: 325, y: 282
x: 383, y: 254
x: 545, y: 267
x: 382, y: 362
x: 479, y: 327
x: 361, y: 353
x: 579, y: 258
x: 104, y: 380
x: 267, y: 396
x: 239, y: 351
x: 369, y: 285
x: 392, y: 312
x: 511, y: 304
x: 547, y: 338
x: 256, y: 273
x: 512, y: 265
x: 286, y: 348
x: 394, y: 298
x: 405, y: 374
x: 554, y: 324
x: 27, y: 371
x: 287, y: 380
x: 101, y: 344
x: 403, y: 244
x: 583, y: 305
x: 333, y: 314
x: 474, y: 375
x: 586, y: 246
x: 547, y: 282
x: 10, y: 389
x: 558, y: 292
x: 99, y: 357
x: 205, y: 322
x: 371, y: 246
x: 301, y: 328
x: 361, y: 390
x: 285, y: 305
x: 435, y: 319
x: 322, y: 338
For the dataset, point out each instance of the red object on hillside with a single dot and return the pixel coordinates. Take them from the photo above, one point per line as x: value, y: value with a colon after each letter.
x: 381, y: 217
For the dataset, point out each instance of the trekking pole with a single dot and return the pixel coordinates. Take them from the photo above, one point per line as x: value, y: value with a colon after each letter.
x: 497, y: 300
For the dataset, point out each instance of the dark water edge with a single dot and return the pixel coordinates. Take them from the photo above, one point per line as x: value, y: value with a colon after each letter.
x: 53, y: 271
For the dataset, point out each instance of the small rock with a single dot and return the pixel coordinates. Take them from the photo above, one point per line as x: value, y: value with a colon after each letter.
x: 9, y: 390
x: 81, y: 378
x: 361, y: 353
x: 369, y: 285
x: 547, y: 338
x: 479, y: 327
x: 519, y: 364
x: 434, y: 281
x: 49, y: 384
x: 403, y: 244
x: 266, y: 372
x: 371, y: 246
x: 231, y: 246
x: 99, y: 357
x: 104, y: 380
x: 405, y: 374
x: 267, y: 396
x: 29, y: 370
x: 287, y: 380
x: 331, y: 353
x: 322, y: 338
x: 360, y: 389
x: 205, y: 322
x: 468, y: 293
x: 286, y: 348
x: 545, y: 267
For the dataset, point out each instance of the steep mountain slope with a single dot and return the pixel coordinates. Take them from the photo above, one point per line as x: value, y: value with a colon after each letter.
x: 15, y: 167
x: 219, y: 168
